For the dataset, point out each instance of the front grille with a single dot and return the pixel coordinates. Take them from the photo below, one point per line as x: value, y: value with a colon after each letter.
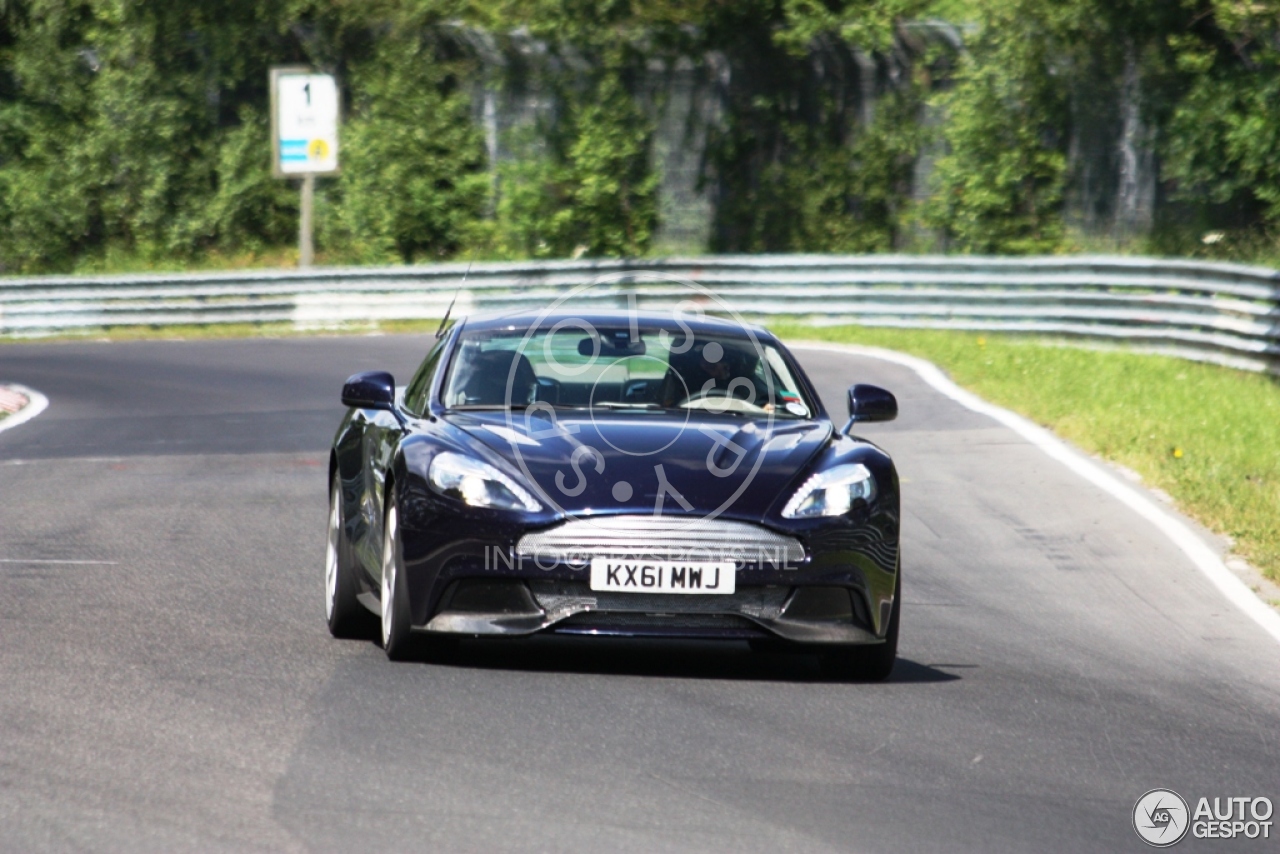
x: 661, y: 538
x: 557, y: 597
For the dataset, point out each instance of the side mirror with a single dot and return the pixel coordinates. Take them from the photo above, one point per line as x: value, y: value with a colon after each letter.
x: 370, y: 390
x: 871, y: 403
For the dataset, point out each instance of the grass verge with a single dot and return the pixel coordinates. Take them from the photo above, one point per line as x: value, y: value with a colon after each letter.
x: 196, y: 332
x: 193, y: 332
x: 1206, y: 435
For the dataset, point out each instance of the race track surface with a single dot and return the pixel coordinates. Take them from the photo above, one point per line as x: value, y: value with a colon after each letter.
x: 167, y: 682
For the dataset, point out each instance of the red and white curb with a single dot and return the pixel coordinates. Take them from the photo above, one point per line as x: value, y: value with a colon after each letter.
x: 1210, y: 565
x: 21, y: 403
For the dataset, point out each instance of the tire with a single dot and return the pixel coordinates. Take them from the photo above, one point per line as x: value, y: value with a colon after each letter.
x: 396, y: 631
x: 346, y: 616
x: 872, y: 662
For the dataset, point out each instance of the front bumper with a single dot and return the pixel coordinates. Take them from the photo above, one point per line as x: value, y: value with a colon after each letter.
x: 808, y: 614
x: 832, y: 583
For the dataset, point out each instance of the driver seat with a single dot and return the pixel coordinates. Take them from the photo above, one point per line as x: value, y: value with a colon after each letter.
x: 490, y: 371
x: 681, y: 369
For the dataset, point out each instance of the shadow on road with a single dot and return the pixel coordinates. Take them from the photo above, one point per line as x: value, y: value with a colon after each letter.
x: 680, y: 659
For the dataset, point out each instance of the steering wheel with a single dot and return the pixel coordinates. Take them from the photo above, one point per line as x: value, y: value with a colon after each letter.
x: 705, y: 393
x: 736, y: 404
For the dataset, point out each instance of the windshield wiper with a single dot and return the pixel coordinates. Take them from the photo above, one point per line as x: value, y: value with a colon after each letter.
x: 617, y: 404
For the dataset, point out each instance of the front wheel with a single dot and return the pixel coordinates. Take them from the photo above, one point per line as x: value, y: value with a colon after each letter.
x: 874, y: 662
x: 396, y: 634
x: 347, y: 617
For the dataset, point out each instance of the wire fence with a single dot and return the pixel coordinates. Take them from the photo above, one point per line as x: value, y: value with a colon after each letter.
x: 1223, y: 313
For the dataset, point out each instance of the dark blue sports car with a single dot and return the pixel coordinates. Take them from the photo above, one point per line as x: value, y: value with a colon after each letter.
x: 628, y: 474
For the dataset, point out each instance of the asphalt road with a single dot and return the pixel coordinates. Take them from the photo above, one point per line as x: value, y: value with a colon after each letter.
x: 167, y: 682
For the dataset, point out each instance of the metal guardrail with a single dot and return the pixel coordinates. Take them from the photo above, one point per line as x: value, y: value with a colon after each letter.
x: 1224, y: 313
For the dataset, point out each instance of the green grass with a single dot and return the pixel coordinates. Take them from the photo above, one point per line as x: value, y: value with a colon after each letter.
x: 196, y: 332
x: 1206, y: 435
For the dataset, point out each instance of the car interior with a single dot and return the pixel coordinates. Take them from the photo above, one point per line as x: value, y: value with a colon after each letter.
x: 607, y: 369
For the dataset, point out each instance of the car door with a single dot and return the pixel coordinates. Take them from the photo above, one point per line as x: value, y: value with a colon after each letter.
x: 381, y: 441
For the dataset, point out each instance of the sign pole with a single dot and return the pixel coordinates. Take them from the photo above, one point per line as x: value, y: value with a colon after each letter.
x: 306, y: 248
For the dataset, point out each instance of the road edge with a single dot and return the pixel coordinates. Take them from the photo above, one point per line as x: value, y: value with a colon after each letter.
x: 36, y: 403
x: 1188, y: 542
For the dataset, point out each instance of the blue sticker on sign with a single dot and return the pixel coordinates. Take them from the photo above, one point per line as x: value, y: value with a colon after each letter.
x: 293, y: 150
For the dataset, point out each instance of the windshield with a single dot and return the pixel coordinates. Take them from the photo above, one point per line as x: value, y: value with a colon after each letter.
x: 577, y: 366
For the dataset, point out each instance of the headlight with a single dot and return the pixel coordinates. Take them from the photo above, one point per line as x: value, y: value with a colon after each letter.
x: 831, y: 492
x: 477, y: 484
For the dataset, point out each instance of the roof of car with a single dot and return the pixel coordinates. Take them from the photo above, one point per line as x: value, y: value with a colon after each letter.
x: 670, y: 320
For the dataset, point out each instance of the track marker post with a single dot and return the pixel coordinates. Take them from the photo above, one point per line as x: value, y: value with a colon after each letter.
x: 305, y: 113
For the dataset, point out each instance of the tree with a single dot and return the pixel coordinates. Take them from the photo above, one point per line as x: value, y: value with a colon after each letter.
x: 413, y: 177
x: 999, y: 187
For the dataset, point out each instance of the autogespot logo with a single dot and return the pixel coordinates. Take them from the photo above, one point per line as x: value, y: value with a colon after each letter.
x: 1160, y: 817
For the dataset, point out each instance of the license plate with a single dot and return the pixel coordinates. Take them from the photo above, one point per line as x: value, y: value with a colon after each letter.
x: 659, y: 576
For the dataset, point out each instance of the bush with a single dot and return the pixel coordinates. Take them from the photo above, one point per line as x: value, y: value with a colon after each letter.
x: 413, y: 177
x: 999, y: 187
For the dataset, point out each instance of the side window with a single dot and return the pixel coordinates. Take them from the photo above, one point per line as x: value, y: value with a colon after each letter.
x: 415, y: 396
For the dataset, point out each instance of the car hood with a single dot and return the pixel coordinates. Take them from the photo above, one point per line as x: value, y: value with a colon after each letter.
x: 605, y: 462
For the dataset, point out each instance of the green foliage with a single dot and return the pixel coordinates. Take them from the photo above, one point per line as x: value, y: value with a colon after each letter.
x: 528, y: 197
x: 792, y: 167
x: 114, y: 124
x: 1223, y: 144
x: 869, y: 24
x: 611, y: 204
x: 250, y: 210
x: 136, y: 132
x: 829, y: 195
x: 139, y: 131
x: 43, y: 200
x: 413, y: 178
x: 855, y: 198
x: 999, y: 188
x: 588, y: 190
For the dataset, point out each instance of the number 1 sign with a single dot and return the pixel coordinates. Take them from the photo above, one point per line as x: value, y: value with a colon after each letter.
x: 304, y: 138
x: 304, y: 123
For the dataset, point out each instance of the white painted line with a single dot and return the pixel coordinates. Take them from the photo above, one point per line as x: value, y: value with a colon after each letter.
x: 36, y: 403
x: 76, y: 460
x: 67, y: 562
x: 1209, y: 564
